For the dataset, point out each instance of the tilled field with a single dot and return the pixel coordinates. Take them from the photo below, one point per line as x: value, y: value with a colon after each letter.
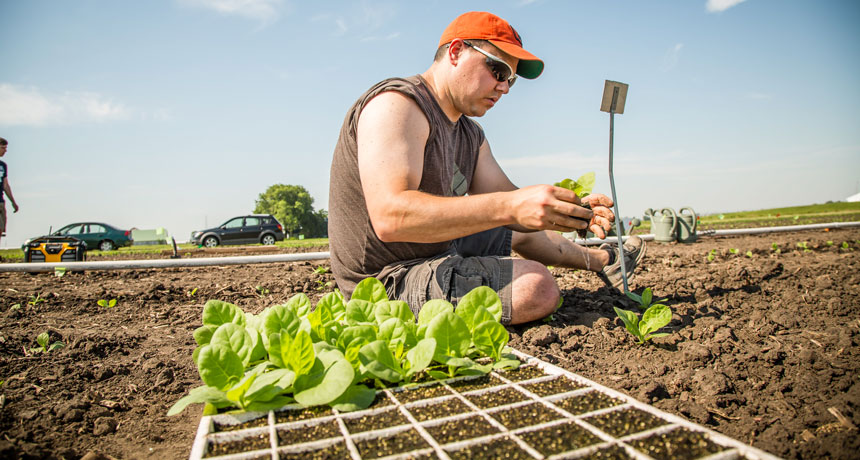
x: 764, y: 345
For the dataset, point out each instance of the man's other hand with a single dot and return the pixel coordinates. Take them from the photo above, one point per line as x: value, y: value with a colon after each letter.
x: 603, y: 217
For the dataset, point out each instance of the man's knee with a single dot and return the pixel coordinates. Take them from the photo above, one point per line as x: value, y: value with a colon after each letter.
x: 535, y: 293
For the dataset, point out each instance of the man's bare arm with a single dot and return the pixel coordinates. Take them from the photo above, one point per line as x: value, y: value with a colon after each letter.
x: 392, y: 134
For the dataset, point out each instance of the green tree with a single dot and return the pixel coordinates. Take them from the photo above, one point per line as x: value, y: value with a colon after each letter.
x: 293, y: 206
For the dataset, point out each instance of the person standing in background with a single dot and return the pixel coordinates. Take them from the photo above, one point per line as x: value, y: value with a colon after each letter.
x: 6, y: 190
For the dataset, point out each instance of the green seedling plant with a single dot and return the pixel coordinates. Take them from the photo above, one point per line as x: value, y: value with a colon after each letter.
x: 829, y: 243
x: 45, y: 346
x: 59, y: 272
x: 646, y: 300
x: 775, y: 248
x: 804, y: 245
x: 192, y: 292
x: 749, y: 254
x: 846, y: 246
x: 582, y: 186
x: 340, y: 352
x: 654, y: 318
x: 734, y: 251
x: 35, y: 299
x: 321, y: 270
x: 106, y: 303
x: 261, y: 291
x: 711, y: 255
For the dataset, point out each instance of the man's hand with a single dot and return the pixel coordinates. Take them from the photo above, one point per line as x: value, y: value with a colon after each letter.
x: 15, y: 207
x: 603, y: 217
x: 544, y: 207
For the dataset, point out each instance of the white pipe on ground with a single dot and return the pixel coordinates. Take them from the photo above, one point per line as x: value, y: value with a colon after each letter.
x: 162, y: 263
x: 300, y: 257
x: 737, y: 231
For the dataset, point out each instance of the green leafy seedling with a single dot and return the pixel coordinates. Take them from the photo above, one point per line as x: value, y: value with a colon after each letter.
x: 749, y: 254
x: 59, y: 272
x: 645, y: 300
x: 582, y: 186
x: 192, y: 292
x: 846, y: 246
x: 775, y: 248
x: 35, y: 299
x: 107, y: 303
x: 321, y: 270
x: 711, y: 255
x: 734, y: 250
x: 45, y: 346
x: 261, y: 291
x: 804, y: 245
x: 657, y: 316
x: 829, y: 242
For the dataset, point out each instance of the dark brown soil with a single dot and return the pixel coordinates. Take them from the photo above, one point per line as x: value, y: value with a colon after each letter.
x: 764, y: 348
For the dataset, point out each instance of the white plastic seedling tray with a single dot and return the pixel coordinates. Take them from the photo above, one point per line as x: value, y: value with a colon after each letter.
x: 545, y: 412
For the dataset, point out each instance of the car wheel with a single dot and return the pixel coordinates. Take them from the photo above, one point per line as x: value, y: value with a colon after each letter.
x: 210, y: 241
x: 106, y: 245
x: 268, y: 239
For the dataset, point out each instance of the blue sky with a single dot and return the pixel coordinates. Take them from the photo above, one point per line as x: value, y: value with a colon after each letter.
x: 179, y: 113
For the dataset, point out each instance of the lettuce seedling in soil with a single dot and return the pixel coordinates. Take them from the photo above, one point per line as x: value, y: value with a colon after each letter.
x: 45, y: 346
x: 645, y: 300
x: 106, y: 303
x: 336, y: 353
x: 654, y: 318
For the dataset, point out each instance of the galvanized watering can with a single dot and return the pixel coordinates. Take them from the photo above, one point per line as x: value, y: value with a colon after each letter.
x: 664, y: 224
x: 687, y: 224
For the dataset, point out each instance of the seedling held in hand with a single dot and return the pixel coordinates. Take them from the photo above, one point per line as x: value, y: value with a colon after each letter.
x: 582, y: 187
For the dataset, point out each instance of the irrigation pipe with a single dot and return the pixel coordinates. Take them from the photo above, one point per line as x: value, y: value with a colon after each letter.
x: 162, y: 263
x: 737, y: 231
x: 305, y: 256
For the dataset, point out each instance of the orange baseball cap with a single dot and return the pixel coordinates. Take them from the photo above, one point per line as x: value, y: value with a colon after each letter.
x: 480, y: 25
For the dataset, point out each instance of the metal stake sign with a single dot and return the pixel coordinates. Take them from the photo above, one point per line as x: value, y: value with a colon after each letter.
x: 614, y: 96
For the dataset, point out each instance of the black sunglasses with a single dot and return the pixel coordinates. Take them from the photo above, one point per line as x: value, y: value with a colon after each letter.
x: 499, y: 68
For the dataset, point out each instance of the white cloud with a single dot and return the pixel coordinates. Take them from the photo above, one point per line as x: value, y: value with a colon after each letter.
x: 716, y: 6
x: 758, y: 96
x: 670, y: 59
x: 365, y: 20
x: 264, y: 11
x: 29, y: 106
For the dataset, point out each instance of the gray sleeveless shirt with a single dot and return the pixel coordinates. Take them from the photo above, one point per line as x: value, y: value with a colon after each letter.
x: 450, y: 157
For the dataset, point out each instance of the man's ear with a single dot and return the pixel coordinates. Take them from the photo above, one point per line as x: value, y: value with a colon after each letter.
x: 454, y: 50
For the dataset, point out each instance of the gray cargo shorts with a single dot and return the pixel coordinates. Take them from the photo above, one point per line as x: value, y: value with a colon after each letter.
x: 482, y: 259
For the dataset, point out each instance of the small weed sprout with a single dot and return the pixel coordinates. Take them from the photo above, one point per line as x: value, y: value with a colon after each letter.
x: 107, y: 303
x: 43, y: 340
x: 775, y: 248
x: 734, y: 251
x: 712, y: 255
x: 261, y: 291
x: 803, y: 245
x: 749, y: 254
x: 321, y: 270
x: 36, y: 299
x: 192, y: 292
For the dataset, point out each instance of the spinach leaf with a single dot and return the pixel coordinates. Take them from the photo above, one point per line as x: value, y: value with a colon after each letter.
x: 216, y: 313
x: 219, y: 366
x: 371, y: 290
x: 452, y: 335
